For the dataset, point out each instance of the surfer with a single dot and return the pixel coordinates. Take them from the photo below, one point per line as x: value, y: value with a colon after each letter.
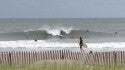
x: 81, y: 43
x: 87, y: 30
x: 115, y: 32
x: 61, y: 33
x: 35, y: 40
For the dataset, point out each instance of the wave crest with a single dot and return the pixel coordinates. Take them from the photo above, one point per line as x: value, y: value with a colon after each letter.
x: 45, y: 33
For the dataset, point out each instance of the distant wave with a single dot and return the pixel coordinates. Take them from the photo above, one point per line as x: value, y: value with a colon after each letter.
x: 44, y: 34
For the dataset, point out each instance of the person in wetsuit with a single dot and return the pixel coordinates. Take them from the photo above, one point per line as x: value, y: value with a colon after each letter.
x: 61, y: 34
x: 81, y: 43
x: 35, y: 39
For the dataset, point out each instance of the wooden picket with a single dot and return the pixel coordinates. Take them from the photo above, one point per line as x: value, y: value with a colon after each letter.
x: 25, y: 57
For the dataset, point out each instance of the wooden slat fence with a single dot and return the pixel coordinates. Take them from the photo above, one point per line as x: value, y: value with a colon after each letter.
x: 37, y: 56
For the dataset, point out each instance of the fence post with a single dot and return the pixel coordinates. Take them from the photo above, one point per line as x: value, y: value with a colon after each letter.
x: 0, y: 58
x: 10, y: 59
x: 62, y: 57
x: 114, y: 57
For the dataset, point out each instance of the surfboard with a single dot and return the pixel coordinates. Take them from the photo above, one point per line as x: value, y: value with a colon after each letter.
x: 60, y: 35
x: 85, y: 45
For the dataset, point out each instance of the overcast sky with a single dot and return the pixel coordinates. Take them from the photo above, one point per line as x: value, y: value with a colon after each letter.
x: 61, y: 8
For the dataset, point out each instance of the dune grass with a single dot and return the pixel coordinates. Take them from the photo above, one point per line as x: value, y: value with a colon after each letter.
x: 61, y: 65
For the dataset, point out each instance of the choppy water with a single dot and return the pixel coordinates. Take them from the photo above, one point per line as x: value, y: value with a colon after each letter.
x: 97, y: 33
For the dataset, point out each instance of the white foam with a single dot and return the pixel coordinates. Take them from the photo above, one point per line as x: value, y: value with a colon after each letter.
x: 107, y: 46
x: 31, y: 44
x: 67, y: 30
x: 55, y: 30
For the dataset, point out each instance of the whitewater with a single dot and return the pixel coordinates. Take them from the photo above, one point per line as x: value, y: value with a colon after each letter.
x: 31, y: 45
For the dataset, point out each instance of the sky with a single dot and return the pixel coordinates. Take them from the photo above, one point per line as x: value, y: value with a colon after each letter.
x: 62, y: 8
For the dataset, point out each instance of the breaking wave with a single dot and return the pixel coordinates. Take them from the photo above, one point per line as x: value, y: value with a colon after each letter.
x: 48, y: 33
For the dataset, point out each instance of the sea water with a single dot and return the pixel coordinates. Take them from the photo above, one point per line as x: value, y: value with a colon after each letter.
x: 100, y: 34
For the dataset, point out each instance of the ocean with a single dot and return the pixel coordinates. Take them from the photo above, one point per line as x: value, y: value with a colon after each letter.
x: 100, y: 34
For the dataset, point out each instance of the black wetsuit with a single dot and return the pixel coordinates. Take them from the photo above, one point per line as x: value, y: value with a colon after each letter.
x: 81, y: 43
